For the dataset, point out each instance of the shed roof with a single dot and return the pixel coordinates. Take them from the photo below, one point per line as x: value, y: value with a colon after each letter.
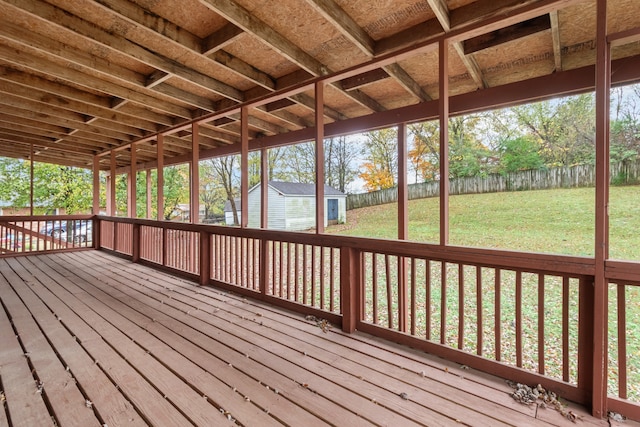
x: 301, y: 189
x: 79, y: 78
x: 291, y: 189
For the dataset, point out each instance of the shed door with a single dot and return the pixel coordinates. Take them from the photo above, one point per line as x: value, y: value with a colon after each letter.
x: 332, y: 209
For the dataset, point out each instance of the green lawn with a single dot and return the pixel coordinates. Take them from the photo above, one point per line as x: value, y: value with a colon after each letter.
x: 547, y: 221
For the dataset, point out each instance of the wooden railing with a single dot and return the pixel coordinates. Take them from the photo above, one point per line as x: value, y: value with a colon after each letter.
x: 36, y: 234
x: 526, y: 317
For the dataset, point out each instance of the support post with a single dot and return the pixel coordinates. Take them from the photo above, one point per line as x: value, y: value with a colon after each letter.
x: 320, y: 217
x: 160, y: 177
x: 96, y: 186
x: 600, y: 314
x: 112, y: 188
x: 194, y: 195
x: 131, y: 185
x: 31, y: 161
x: 148, y: 199
x: 244, y: 167
x: 443, y: 103
x: 350, y: 292
x: 264, y: 188
x: 403, y: 228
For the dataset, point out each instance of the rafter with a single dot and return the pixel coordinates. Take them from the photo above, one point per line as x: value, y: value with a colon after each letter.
x: 121, y: 45
x: 241, y: 17
x: 555, y: 34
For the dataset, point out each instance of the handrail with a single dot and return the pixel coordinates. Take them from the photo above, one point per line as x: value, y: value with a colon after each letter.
x: 530, y: 261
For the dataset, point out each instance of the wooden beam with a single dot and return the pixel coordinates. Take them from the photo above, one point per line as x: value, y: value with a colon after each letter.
x: 364, y: 79
x: 407, y: 82
x: 219, y: 39
x: 333, y: 13
x: 507, y: 34
x: 555, y: 34
x: 94, y: 34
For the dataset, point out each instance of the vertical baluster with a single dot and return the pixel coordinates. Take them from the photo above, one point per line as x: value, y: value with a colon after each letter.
x: 427, y: 303
x: 374, y: 281
x: 443, y: 303
x: 498, y: 313
x: 622, y: 341
x: 519, y: 319
x: 304, y: 274
x: 387, y: 273
x: 331, y: 279
x: 541, y: 365
x: 460, y: 306
x: 313, y: 275
x: 296, y: 272
x: 412, y: 301
x: 322, y: 259
x: 479, y: 307
x: 273, y: 268
x: 281, y: 266
x: 565, y: 328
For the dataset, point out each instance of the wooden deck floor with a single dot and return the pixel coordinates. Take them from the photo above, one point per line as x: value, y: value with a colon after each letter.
x: 89, y: 339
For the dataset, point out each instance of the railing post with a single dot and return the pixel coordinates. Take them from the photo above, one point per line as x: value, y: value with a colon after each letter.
x: 585, y: 335
x: 350, y: 265
x: 135, y: 242
x: 97, y: 244
x: 164, y: 246
x: 115, y: 236
x: 264, y: 265
x: 205, y: 257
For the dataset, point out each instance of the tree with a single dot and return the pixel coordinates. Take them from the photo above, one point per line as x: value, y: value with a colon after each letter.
x: 625, y: 124
x: 381, y: 159
x: 467, y: 155
x: 424, y: 154
x: 519, y: 154
x: 339, y: 158
x: 564, y: 128
x: 224, y: 171
x: 299, y: 162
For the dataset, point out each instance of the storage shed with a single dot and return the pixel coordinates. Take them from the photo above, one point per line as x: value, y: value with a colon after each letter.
x: 292, y: 206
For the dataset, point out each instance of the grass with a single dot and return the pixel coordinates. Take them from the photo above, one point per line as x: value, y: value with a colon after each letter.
x: 546, y: 221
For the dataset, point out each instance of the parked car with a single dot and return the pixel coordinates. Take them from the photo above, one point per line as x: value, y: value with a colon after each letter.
x: 81, y: 231
x: 54, y: 229
x: 10, y: 241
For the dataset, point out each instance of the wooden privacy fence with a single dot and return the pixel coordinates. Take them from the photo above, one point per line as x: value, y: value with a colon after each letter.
x: 523, y: 316
x: 563, y: 177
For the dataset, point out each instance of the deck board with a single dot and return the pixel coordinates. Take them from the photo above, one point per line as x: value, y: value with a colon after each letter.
x: 148, y: 348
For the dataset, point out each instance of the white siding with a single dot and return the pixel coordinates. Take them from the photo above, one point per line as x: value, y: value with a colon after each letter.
x: 300, y: 212
x: 292, y: 213
x: 276, y: 209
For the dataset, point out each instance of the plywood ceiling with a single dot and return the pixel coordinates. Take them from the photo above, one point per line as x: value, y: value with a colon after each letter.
x: 80, y: 77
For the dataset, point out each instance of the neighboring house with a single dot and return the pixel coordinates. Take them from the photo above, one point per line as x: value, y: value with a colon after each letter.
x: 183, y: 212
x: 292, y: 206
